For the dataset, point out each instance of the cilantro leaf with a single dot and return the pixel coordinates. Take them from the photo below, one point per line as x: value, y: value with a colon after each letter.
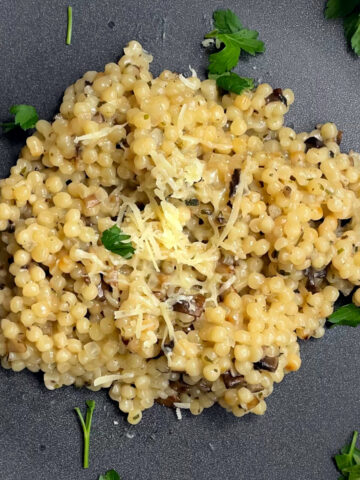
x: 352, y: 31
x: 232, y: 82
x: 350, y: 11
x: 25, y: 117
x: 345, y: 461
x: 230, y: 32
x: 110, y: 475
x: 340, y: 8
x: 346, y: 315
x: 355, y: 39
x: 225, y: 21
x: 225, y: 60
x: 350, y: 24
x: 117, y: 242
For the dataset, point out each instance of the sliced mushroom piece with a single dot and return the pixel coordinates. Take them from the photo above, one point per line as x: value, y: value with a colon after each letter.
x: 287, y: 191
x: 313, y: 142
x: 192, y: 305
x: 102, y: 288
x: 339, y: 137
x: 168, y: 347
x: 314, y: 278
x: 234, y: 183
x: 276, y: 96
x: 204, y: 385
x: 168, y: 402
x: 91, y: 201
x: 267, y: 363
x: 230, y: 381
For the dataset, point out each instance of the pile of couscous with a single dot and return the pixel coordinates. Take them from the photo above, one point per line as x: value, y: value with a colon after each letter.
x: 244, y: 233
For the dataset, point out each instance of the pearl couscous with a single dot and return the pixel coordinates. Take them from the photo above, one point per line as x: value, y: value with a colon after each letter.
x: 244, y: 233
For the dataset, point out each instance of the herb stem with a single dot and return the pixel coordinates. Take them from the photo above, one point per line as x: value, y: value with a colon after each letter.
x: 86, y: 426
x: 69, y: 26
x: 353, y: 442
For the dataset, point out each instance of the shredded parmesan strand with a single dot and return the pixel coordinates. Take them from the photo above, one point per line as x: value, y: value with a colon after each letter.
x: 182, y: 405
x: 111, y: 378
x: 166, y: 316
x: 92, y: 137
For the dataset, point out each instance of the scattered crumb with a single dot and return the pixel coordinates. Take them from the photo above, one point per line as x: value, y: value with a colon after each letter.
x: 130, y: 435
x: 116, y: 422
x: 178, y: 414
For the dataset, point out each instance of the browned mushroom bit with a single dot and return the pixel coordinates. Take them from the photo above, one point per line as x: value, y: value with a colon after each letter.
x: 179, y: 387
x: 239, y: 381
x: 190, y: 304
x: 234, y: 182
x: 314, y: 278
x: 233, y: 381
x: 313, y: 142
x: 276, y: 96
x: 287, y: 191
x: 267, y: 363
x: 91, y: 201
x: 168, y: 401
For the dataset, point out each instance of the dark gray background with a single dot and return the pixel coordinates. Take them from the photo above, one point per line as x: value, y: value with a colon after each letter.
x: 313, y: 412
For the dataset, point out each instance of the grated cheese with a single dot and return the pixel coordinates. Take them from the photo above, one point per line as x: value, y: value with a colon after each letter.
x: 167, y: 319
x: 182, y: 405
x: 187, y: 83
x: 111, y: 378
x: 92, y: 137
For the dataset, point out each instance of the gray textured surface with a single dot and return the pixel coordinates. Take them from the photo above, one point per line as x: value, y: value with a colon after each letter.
x: 313, y: 412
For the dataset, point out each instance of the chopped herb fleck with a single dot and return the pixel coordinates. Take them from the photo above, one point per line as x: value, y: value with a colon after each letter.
x: 69, y: 26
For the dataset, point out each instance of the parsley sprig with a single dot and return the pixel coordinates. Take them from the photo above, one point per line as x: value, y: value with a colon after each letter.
x: 117, y: 242
x: 232, y: 37
x: 346, y: 315
x: 110, y: 475
x: 349, y: 10
x: 348, y: 461
x: 25, y: 118
x: 86, y: 426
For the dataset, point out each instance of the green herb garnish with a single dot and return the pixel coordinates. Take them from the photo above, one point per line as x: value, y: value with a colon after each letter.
x: 232, y: 82
x: 346, y: 315
x: 349, y: 10
x: 110, y: 475
x: 348, y: 461
x: 86, y: 426
x: 25, y: 118
x: 117, y: 242
x: 230, y: 33
x: 69, y: 26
